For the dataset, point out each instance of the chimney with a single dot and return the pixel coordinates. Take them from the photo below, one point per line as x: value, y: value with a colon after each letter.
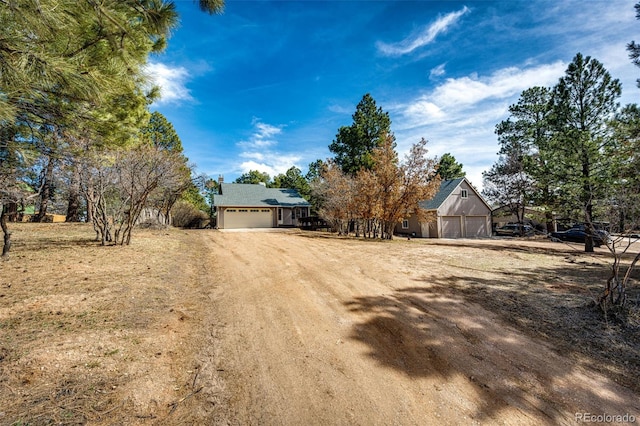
x: 220, y: 179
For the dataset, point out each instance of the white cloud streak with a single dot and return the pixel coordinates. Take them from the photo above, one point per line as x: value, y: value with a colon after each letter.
x: 438, y: 71
x: 171, y: 81
x: 426, y: 36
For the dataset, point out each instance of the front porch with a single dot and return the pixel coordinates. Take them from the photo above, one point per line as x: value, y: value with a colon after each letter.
x: 288, y: 217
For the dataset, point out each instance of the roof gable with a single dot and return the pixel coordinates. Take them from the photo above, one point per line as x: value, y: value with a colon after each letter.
x: 249, y: 195
x: 446, y: 188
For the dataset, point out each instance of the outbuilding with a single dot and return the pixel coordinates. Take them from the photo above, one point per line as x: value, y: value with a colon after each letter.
x: 457, y: 211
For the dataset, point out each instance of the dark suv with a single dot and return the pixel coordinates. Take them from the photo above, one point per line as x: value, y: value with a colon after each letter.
x: 578, y: 234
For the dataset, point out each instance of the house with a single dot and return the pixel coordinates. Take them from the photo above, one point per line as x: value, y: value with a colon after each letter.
x: 241, y: 205
x: 458, y: 211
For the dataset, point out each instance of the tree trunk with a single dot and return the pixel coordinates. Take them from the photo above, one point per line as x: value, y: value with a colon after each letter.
x: 45, y: 192
x: 90, y: 202
x: 73, y: 208
x: 588, y: 240
x: 7, y: 234
x: 548, y: 216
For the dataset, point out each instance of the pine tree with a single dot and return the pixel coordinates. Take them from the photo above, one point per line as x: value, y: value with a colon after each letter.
x: 354, y: 144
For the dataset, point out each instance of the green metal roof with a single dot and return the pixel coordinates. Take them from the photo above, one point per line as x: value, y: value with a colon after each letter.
x: 446, y: 188
x: 248, y: 195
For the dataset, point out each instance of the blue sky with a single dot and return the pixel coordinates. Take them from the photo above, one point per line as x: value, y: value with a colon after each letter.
x: 267, y: 84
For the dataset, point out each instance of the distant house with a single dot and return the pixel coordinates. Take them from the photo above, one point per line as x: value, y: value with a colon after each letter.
x: 256, y: 206
x: 458, y: 211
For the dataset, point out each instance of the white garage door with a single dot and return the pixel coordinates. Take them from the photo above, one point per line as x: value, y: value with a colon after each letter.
x: 247, y: 218
x: 451, y: 227
x: 476, y: 226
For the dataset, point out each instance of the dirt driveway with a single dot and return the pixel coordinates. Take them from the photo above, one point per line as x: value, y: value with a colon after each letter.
x: 313, y: 330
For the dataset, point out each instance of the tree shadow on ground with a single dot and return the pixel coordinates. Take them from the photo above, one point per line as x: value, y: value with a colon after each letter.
x: 436, y: 329
x: 44, y: 243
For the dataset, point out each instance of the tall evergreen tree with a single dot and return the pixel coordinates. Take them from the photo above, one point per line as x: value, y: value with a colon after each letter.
x: 354, y: 145
x: 449, y: 168
x: 522, y: 174
x: 582, y: 103
x: 160, y: 133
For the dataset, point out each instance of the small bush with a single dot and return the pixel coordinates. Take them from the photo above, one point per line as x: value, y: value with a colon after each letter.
x: 186, y: 215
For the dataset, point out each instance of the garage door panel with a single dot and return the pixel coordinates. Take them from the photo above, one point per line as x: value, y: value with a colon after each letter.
x: 476, y: 226
x: 248, y: 218
x: 451, y: 227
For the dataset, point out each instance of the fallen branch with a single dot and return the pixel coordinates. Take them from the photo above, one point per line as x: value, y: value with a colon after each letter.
x: 174, y: 405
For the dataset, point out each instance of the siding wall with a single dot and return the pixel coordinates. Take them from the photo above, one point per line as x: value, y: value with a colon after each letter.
x: 461, y: 217
x: 455, y: 205
x: 414, y: 228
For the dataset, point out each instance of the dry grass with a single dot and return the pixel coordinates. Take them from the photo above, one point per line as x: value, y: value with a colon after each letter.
x: 87, y: 332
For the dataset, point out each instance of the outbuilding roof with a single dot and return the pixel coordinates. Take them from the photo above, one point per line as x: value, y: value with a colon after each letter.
x: 249, y: 195
x: 446, y: 188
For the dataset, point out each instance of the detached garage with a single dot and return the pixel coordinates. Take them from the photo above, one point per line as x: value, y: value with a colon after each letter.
x: 459, y: 212
x: 256, y: 206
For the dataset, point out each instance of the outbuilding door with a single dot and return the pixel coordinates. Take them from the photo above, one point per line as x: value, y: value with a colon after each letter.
x: 247, y: 218
x: 451, y: 227
x: 476, y: 226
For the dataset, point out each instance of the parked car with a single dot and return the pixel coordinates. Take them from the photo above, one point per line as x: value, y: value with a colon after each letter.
x: 578, y: 234
x: 515, y: 230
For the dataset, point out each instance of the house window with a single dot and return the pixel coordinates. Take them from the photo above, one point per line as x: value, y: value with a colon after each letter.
x: 255, y: 211
x: 231, y: 210
x: 464, y: 194
x: 243, y: 210
x: 279, y: 214
x: 265, y: 210
x: 405, y: 224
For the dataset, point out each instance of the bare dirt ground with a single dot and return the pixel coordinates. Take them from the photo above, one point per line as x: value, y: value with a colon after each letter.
x: 208, y: 327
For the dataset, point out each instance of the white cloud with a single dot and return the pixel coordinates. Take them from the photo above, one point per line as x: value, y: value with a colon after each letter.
x: 259, y: 152
x: 438, y: 71
x: 171, y: 81
x: 460, y: 114
x: 262, y: 137
x: 502, y: 84
x: 421, y: 110
x: 273, y: 164
x: 426, y: 36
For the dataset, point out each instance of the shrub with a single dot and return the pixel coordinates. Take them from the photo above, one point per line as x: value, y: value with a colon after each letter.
x: 186, y: 215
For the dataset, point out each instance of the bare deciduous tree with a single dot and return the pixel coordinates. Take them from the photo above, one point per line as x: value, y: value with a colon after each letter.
x: 120, y: 184
x: 335, y: 190
x: 402, y: 186
x: 380, y: 197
